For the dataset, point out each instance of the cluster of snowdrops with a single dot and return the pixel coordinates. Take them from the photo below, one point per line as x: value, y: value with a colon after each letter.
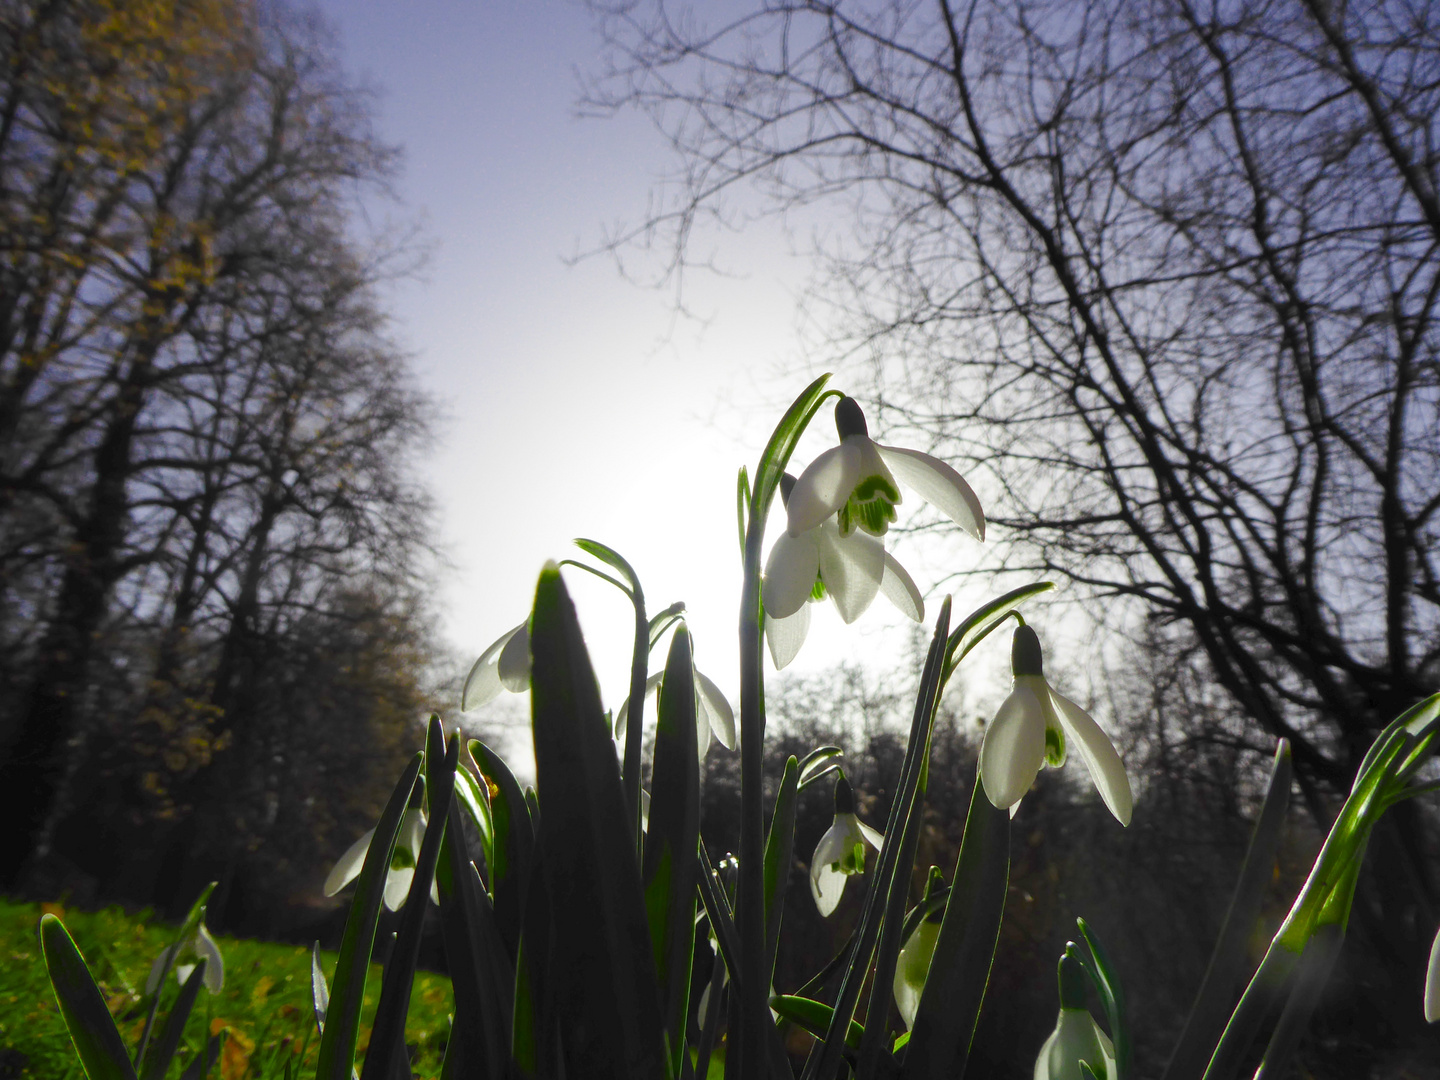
x: 570, y: 932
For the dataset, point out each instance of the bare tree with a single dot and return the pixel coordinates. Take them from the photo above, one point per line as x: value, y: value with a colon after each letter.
x: 204, y: 432
x: 1165, y: 274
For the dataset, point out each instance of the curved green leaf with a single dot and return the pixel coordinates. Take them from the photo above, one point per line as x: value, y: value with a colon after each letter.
x: 950, y: 1003
x: 157, y: 1061
x: 673, y: 841
x: 1227, y: 963
x: 814, y: 1016
x: 347, y: 992
x: 96, y: 1039
x: 601, y: 957
x: 386, y: 1055
x: 779, y: 853
x: 512, y: 850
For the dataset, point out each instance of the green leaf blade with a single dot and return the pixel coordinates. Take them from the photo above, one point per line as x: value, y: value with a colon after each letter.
x: 960, y: 968
x: 601, y: 957
x: 347, y: 990
x: 672, y: 843
x: 92, y: 1030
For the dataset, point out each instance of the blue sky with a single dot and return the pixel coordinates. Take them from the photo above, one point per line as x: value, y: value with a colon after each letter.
x: 575, y: 402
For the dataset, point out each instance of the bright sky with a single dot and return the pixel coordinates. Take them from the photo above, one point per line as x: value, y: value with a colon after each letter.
x: 576, y: 403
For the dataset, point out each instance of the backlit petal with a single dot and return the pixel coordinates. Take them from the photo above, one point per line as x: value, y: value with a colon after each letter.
x: 938, y: 484
x: 514, y: 663
x: 1432, y: 983
x: 1076, y: 1038
x: 785, y: 636
x: 873, y: 837
x: 913, y: 968
x: 347, y: 869
x: 1099, y: 755
x: 412, y: 831
x: 835, y: 844
x: 483, y: 684
x: 1014, y: 748
x: 851, y: 569
x: 152, y: 980
x: 721, y: 715
x: 823, y: 488
x: 622, y: 720
x: 790, y: 574
x: 900, y: 589
x: 206, y: 949
x: 397, y: 887
x: 826, y: 886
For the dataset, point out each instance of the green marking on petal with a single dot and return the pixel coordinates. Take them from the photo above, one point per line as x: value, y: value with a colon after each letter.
x: 817, y: 591
x: 401, y: 859
x: 1054, y: 747
x: 871, y: 506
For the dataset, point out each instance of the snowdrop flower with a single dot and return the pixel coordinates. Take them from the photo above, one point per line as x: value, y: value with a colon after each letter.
x: 823, y: 562
x: 913, y: 964
x: 713, y: 714
x: 198, y: 946
x: 402, y: 862
x: 1034, y: 728
x: 841, y: 851
x: 1432, y: 983
x: 1076, y: 1037
x: 857, y: 482
x: 505, y: 665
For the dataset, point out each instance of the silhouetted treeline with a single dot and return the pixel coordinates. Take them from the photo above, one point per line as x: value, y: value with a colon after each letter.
x: 211, y: 546
x: 1156, y: 893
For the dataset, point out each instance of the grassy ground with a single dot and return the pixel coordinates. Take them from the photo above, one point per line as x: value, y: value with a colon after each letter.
x: 265, y: 1005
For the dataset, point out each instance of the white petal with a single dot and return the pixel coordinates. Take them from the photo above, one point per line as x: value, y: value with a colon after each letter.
x: 483, y: 684
x: 152, y: 981
x: 347, y: 869
x: 182, y: 972
x: 721, y: 715
x: 412, y: 831
x: 1098, y: 753
x: 912, y: 969
x: 900, y: 589
x: 785, y: 636
x: 622, y: 720
x: 790, y: 574
x: 206, y: 948
x: 851, y: 568
x: 834, y: 845
x: 939, y: 485
x: 1076, y: 1038
x: 823, y: 488
x: 826, y: 886
x: 1049, y: 706
x: 1432, y: 983
x: 514, y: 663
x: 1042, y: 1062
x: 873, y: 837
x: 397, y: 887
x: 1014, y: 748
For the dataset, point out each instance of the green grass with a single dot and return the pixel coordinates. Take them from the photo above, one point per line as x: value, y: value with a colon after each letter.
x: 265, y: 1004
